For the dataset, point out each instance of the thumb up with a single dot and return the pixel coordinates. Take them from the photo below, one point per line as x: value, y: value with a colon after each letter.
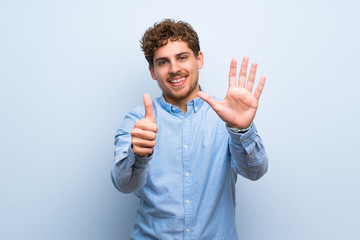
x: 149, y: 113
x: 144, y: 132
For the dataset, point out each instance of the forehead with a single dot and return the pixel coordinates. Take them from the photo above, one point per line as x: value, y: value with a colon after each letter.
x: 172, y: 48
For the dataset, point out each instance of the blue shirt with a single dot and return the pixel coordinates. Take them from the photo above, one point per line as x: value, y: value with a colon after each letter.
x: 187, y: 186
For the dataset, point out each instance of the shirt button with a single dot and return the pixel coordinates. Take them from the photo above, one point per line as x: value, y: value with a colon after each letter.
x: 187, y: 230
x: 173, y: 108
x: 244, y: 140
x: 187, y: 174
x: 196, y: 108
x: 186, y: 119
x: 250, y: 155
x: 186, y: 146
x: 187, y: 201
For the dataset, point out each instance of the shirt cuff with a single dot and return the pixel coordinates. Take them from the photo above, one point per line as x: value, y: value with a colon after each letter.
x: 246, y: 140
x: 139, y: 162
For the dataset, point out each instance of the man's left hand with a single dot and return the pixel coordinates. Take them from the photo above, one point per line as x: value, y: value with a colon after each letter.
x: 239, y: 107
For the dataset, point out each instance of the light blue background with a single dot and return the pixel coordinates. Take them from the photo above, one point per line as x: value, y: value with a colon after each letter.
x: 71, y: 70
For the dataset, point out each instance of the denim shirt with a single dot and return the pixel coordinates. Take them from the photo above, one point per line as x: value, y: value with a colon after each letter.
x: 187, y: 186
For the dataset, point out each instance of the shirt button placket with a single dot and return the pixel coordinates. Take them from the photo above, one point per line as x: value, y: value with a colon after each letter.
x: 187, y: 180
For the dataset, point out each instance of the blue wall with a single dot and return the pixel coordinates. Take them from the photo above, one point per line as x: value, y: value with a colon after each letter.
x: 70, y: 71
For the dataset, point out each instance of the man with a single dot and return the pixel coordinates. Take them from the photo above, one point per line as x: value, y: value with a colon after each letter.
x: 181, y: 153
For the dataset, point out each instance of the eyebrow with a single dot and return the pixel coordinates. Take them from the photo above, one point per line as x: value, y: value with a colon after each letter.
x: 177, y: 55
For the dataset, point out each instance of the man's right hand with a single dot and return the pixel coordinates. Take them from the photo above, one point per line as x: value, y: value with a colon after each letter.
x: 144, y: 133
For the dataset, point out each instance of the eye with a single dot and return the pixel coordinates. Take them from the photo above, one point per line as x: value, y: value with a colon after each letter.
x: 182, y: 57
x: 162, y: 62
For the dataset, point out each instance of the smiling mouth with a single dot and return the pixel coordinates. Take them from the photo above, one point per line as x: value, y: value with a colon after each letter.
x: 177, y: 80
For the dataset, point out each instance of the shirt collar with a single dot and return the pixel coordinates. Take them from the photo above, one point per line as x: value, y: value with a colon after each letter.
x: 193, y: 105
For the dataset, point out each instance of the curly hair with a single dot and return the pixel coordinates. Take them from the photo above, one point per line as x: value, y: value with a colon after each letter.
x: 168, y: 29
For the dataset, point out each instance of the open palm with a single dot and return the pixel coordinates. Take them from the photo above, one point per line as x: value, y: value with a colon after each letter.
x: 239, y: 107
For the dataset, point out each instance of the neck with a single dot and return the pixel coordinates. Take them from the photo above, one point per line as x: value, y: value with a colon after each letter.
x: 182, y: 102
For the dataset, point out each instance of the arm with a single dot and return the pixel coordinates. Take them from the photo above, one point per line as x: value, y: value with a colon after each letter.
x: 134, y: 143
x: 248, y: 156
x: 238, y: 111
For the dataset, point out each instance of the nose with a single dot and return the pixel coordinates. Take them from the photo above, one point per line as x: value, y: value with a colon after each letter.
x: 174, y: 67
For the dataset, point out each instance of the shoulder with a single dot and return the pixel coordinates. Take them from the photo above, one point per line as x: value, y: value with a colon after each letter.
x: 138, y: 112
x: 127, y: 124
x: 135, y: 113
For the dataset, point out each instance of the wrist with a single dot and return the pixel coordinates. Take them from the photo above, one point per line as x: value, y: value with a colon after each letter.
x: 239, y: 130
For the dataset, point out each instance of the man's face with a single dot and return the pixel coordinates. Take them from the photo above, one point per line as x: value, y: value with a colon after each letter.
x: 176, y: 70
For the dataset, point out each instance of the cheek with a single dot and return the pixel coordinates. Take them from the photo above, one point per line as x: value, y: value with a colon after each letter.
x: 192, y: 67
x: 161, y: 74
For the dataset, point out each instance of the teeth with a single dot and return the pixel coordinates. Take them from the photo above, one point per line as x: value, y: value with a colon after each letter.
x: 177, y: 80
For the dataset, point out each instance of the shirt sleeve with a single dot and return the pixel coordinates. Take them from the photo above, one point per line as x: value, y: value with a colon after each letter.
x: 248, y: 156
x: 128, y: 172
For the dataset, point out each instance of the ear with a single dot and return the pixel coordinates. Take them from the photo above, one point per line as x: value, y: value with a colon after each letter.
x: 151, y: 69
x: 200, y: 60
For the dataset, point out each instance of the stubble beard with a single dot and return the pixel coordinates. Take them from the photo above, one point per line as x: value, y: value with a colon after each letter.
x: 179, y: 98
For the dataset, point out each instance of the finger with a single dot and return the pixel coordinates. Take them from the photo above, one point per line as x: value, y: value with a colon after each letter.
x: 243, y: 70
x: 207, y: 98
x: 139, y: 142
x: 144, y: 124
x: 144, y: 134
x: 232, y: 73
x: 149, y: 113
x: 141, y: 151
x: 251, y: 79
x: 260, y: 87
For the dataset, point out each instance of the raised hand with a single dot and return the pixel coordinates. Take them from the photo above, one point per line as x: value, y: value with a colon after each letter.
x: 143, y: 134
x: 239, y: 107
